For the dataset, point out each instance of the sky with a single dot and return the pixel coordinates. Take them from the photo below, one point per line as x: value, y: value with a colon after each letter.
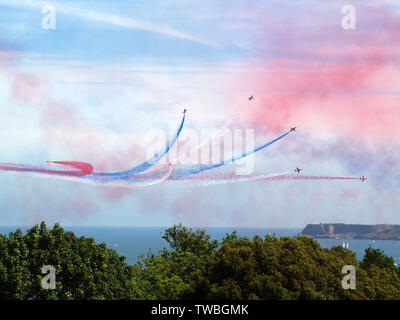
x: 111, y: 73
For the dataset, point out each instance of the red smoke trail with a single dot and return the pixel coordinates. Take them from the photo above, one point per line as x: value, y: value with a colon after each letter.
x: 299, y: 177
x: 83, y: 168
x: 234, y: 178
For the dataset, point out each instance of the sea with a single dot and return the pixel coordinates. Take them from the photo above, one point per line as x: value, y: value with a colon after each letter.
x: 134, y: 241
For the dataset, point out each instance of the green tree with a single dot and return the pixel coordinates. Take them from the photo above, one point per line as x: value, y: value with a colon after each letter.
x: 172, y: 274
x: 291, y: 268
x: 84, y: 269
x: 193, y: 267
x: 269, y: 268
x: 198, y: 242
x: 377, y: 258
x: 272, y: 268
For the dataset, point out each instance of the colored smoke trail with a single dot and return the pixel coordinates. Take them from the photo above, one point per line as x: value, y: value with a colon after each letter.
x: 125, y: 175
x: 136, y: 182
x: 83, y: 168
x: 194, y: 169
x: 209, y: 181
x: 301, y: 177
x: 198, y: 181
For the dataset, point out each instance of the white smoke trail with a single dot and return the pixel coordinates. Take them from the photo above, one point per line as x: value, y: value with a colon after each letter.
x: 218, y: 132
x: 127, y: 184
x: 120, y: 184
x: 203, y: 183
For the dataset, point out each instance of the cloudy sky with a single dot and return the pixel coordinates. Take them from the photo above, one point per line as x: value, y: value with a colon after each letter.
x: 112, y: 71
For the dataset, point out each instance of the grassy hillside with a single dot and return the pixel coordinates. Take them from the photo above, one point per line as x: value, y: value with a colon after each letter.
x: 353, y: 231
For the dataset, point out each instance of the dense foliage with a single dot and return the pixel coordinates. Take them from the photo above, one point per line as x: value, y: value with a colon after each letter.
x: 84, y: 269
x: 193, y: 267
x: 269, y: 268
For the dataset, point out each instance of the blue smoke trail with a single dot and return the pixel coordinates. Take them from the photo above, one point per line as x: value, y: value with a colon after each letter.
x: 193, y: 169
x: 124, y: 175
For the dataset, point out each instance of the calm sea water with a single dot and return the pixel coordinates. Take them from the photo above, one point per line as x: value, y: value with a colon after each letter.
x: 134, y: 241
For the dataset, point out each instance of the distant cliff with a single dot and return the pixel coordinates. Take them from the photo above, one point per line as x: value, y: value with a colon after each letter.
x: 353, y: 231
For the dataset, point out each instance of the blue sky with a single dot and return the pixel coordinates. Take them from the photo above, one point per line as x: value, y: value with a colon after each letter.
x: 112, y: 71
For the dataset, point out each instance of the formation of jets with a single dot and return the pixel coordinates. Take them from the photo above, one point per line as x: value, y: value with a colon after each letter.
x: 297, y: 170
x: 291, y: 129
